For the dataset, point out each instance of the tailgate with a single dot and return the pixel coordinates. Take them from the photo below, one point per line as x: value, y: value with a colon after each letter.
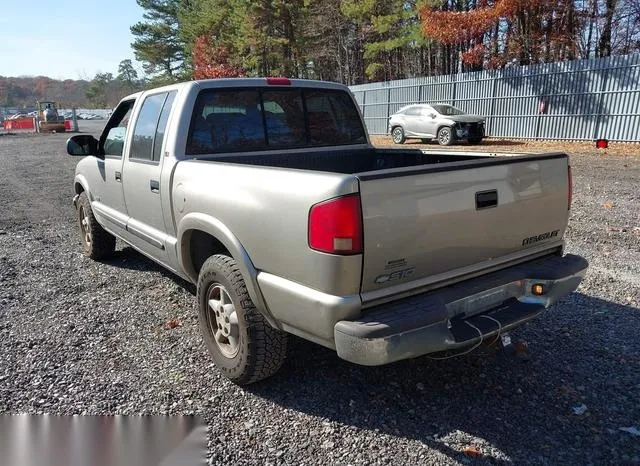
x: 448, y: 220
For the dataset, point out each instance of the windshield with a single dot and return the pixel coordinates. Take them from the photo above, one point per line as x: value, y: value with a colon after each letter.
x: 234, y: 120
x: 448, y: 110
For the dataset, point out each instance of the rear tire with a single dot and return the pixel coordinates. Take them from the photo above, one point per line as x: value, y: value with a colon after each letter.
x: 97, y: 242
x: 397, y: 135
x: 243, y: 345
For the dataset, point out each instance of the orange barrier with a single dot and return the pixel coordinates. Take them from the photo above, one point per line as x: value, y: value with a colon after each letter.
x: 20, y: 123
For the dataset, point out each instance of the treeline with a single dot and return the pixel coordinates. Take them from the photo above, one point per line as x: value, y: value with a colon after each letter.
x: 25, y: 91
x: 103, y: 91
x: 348, y: 41
x: 356, y: 41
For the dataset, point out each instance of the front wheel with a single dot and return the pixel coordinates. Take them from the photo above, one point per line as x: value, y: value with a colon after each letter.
x: 243, y: 345
x: 398, y: 135
x: 445, y: 136
x: 97, y: 242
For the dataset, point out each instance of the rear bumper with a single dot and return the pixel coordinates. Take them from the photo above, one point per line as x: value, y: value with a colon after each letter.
x: 458, y: 316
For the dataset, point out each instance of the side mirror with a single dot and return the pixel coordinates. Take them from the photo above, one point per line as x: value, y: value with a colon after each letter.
x: 82, y: 144
x: 432, y: 115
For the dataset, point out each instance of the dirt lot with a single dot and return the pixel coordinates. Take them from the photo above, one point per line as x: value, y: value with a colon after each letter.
x: 524, y: 145
x: 83, y: 337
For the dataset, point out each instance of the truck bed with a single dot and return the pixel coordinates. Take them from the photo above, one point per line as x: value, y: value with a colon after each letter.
x: 348, y: 161
x: 367, y: 161
x: 432, y: 216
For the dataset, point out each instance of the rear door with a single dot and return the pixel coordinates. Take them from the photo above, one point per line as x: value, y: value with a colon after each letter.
x: 141, y: 177
x: 429, y: 224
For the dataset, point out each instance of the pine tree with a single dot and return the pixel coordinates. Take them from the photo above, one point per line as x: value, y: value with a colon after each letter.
x: 158, y: 44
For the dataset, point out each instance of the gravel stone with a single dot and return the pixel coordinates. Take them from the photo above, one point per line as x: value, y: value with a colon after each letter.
x: 84, y: 337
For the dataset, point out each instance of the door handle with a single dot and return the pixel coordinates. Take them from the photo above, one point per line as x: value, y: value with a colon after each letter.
x: 118, y: 176
x: 154, y: 185
x: 486, y: 199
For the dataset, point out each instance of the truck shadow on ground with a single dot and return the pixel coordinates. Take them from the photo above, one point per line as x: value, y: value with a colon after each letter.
x: 516, y: 407
x: 130, y: 259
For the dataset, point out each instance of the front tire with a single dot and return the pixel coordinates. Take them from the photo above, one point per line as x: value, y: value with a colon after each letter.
x: 97, y: 242
x: 397, y: 135
x: 243, y: 345
x: 445, y: 136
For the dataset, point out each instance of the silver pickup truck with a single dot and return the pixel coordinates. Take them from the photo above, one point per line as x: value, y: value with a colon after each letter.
x: 268, y: 194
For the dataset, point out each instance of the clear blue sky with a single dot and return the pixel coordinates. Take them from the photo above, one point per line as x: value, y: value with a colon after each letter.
x: 66, y: 39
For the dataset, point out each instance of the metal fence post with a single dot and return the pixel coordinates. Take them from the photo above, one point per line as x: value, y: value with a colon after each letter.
x: 364, y: 106
x: 603, y: 87
x: 453, y: 91
x: 493, y: 105
x: 537, y: 134
x: 386, y: 122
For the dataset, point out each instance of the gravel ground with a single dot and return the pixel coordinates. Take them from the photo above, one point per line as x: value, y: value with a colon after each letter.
x: 78, y: 336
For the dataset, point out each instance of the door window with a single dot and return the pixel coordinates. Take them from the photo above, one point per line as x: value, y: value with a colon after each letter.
x: 162, y: 125
x: 427, y: 111
x: 112, y: 140
x: 144, y: 132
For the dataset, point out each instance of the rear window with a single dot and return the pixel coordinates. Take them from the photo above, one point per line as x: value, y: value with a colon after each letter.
x: 233, y: 120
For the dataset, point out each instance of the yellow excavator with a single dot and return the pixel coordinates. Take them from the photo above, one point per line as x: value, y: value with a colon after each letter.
x: 48, y: 118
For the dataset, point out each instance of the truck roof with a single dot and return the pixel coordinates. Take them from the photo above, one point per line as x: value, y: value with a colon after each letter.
x: 245, y: 82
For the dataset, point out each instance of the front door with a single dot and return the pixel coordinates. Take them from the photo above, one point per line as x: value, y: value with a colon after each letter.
x: 107, y: 196
x: 142, y: 183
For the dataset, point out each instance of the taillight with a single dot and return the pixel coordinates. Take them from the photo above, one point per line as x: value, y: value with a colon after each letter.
x: 335, y: 226
x: 570, y: 187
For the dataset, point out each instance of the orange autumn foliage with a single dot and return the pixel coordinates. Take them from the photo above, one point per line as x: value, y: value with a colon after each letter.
x: 494, y: 32
x: 213, y: 61
x: 454, y: 27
